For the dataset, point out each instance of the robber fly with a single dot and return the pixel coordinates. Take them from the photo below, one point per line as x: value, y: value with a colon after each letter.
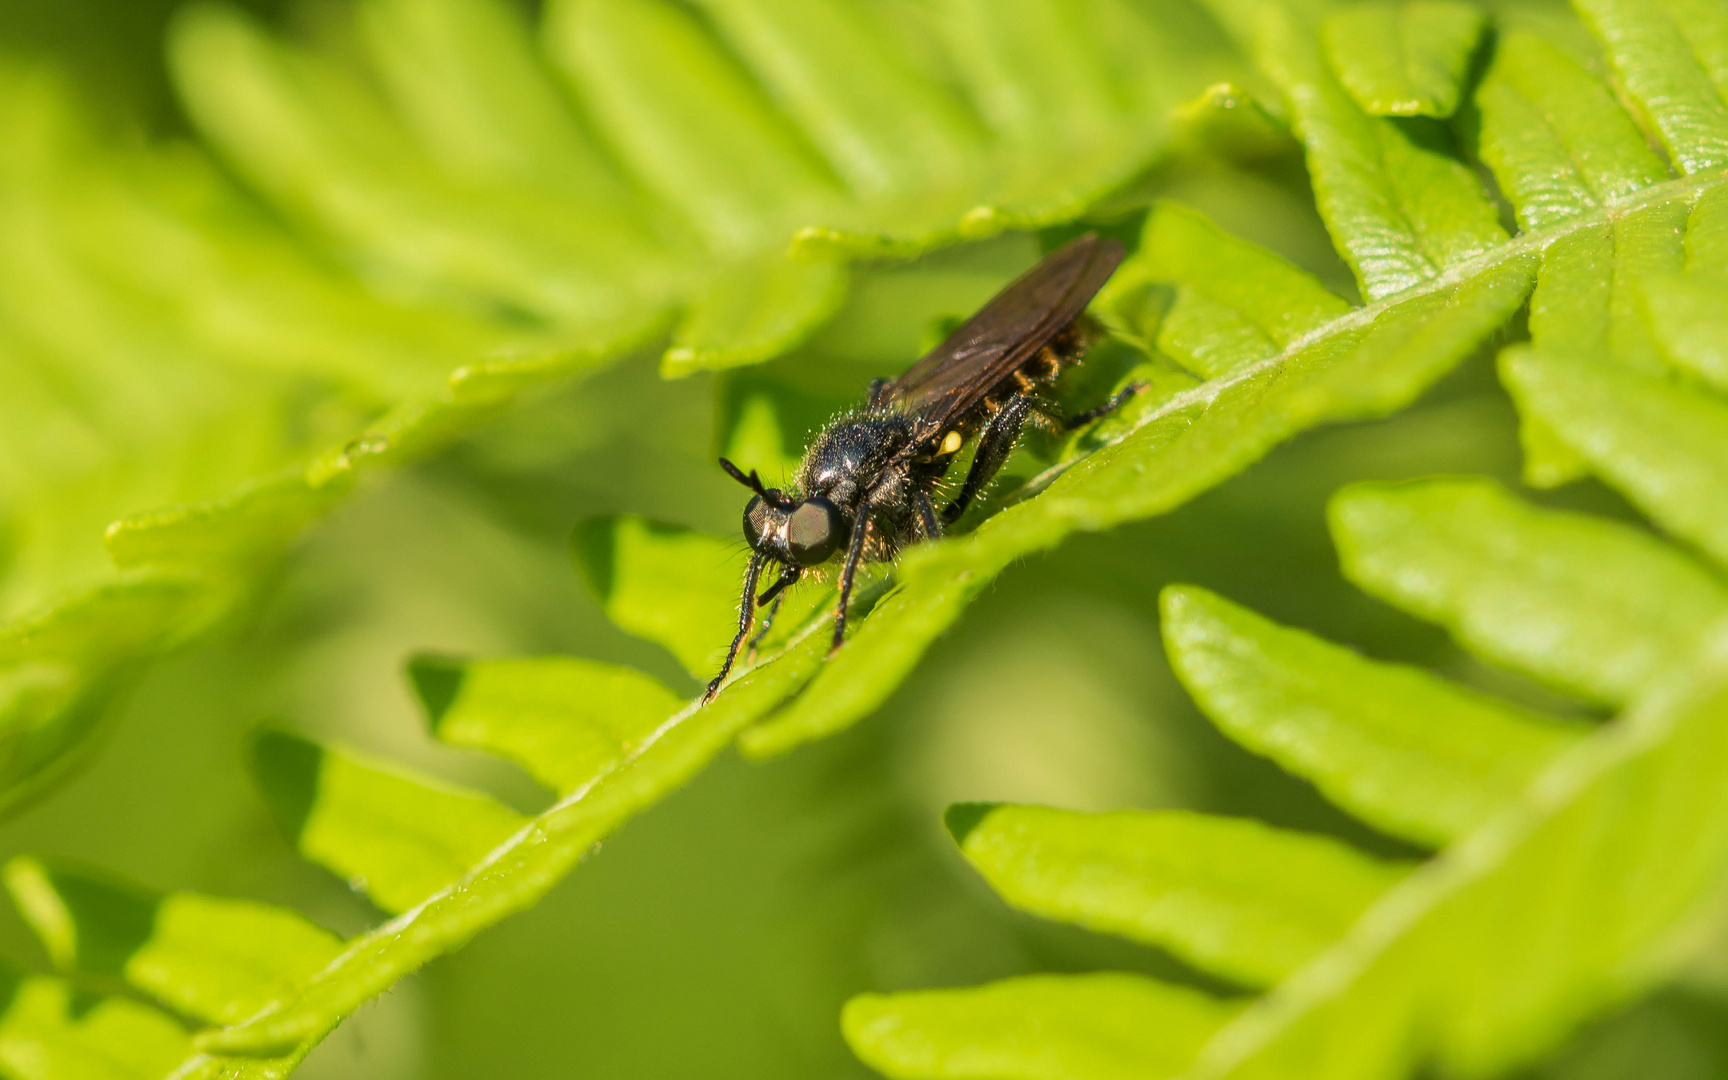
x: 867, y: 485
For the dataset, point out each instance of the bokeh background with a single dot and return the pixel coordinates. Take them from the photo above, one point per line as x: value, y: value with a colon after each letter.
x: 718, y: 934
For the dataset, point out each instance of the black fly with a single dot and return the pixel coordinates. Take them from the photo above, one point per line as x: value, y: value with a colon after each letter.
x: 864, y: 489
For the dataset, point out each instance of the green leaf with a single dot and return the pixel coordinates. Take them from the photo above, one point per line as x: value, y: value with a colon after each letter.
x: 1654, y: 440
x: 1684, y: 315
x: 1556, y: 909
x: 1235, y: 303
x: 319, y: 143
x: 1667, y: 54
x: 1576, y: 311
x: 212, y: 357
x: 1395, y: 746
x: 215, y: 959
x: 520, y: 869
x: 1231, y: 896
x: 1558, y: 143
x: 394, y: 836
x: 1404, y: 59
x: 1399, y: 211
x: 885, y: 128
x: 1038, y: 1027
x: 567, y: 720
x: 675, y: 587
x: 760, y: 311
x: 1525, y: 587
x: 688, y: 121
x: 48, y: 1031
x: 61, y: 669
x: 1230, y: 121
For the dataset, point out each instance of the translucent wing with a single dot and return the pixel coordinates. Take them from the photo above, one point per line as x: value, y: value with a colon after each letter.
x: 1006, y: 332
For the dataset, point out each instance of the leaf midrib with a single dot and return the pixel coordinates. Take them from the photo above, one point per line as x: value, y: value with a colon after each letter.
x: 1526, y: 243
x: 357, y: 947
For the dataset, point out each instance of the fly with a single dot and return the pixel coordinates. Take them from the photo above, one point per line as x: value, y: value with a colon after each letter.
x: 868, y: 483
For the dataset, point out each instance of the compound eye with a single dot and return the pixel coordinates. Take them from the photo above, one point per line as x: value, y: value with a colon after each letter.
x: 755, y: 521
x: 815, y: 531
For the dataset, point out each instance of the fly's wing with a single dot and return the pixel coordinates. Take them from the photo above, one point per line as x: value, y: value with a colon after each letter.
x: 1006, y: 332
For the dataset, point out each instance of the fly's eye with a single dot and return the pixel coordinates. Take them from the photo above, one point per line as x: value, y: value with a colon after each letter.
x: 755, y: 521
x: 815, y: 531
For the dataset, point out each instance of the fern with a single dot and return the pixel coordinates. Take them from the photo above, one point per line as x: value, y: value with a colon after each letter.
x: 457, y: 233
x: 1369, y: 967
x: 1573, y: 858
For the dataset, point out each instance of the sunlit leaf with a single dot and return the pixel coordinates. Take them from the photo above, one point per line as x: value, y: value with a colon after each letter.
x: 394, y: 836
x: 568, y: 721
x: 215, y: 959
x: 1394, y: 745
x: 1512, y: 937
x: 49, y: 1031
x: 1236, y: 898
x: 1526, y: 587
x: 1041, y: 1027
x: 675, y: 587
x: 1404, y: 58
x: 1658, y: 443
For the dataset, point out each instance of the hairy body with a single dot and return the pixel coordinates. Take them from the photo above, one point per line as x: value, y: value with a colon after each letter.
x: 868, y: 484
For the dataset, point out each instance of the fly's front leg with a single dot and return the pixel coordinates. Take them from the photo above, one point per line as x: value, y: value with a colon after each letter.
x: 775, y: 593
x: 746, y: 612
x: 994, y: 446
x: 854, y: 555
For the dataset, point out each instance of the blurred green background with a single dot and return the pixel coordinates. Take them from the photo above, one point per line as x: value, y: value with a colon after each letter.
x: 718, y: 934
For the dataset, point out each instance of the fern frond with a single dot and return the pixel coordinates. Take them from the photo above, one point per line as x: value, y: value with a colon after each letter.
x: 1576, y: 857
x: 1574, y: 853
x: 457, y: 232
x: 1576, y: 860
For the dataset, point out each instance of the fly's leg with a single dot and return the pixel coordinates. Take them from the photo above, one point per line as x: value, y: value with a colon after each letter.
x: 854, y: 555
x: 762, y: 631
x: 928, y: 523
x: 1069, y: 423
x: 746, y: 612
x: 775, y: 593
x: 994, y: 446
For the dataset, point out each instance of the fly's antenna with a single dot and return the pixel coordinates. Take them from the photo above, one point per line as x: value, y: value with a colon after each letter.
x: 769, y: 495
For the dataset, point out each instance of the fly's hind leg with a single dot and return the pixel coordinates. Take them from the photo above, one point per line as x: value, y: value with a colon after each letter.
x: 994, y: 446
x: 929, y: 525
x: 1069, y: 423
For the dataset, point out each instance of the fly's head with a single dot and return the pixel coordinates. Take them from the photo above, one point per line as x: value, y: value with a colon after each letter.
x: 798, y: 532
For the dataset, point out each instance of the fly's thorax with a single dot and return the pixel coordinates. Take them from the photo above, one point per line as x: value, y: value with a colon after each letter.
x: 844, y: 460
